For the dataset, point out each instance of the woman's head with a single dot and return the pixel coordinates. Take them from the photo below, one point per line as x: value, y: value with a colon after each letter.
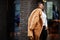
x: 41, y: 5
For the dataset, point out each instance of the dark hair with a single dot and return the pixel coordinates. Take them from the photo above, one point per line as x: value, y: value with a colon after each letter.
x: 40, y: 3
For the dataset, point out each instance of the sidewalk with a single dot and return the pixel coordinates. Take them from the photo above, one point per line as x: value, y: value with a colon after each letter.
x: 53, y: 37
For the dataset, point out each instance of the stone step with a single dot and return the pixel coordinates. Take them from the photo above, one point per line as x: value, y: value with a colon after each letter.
x: 53, y: 37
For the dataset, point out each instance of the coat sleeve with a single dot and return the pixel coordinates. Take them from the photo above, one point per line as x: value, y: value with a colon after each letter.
x: 34, y: 19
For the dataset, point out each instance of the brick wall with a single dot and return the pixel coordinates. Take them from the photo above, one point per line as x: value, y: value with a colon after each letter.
x: 26, y: 6
x: 24, y: 12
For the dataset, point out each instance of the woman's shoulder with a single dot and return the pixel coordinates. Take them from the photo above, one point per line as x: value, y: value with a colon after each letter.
x: 37, y: 9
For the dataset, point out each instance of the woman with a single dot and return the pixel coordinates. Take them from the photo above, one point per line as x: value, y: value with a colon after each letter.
x: 36, y: 22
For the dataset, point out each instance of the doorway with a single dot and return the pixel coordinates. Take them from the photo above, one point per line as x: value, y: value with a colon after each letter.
x: 10, y: 20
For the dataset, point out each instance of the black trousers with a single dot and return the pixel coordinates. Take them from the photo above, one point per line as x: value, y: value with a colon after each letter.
x: 43, y: 34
